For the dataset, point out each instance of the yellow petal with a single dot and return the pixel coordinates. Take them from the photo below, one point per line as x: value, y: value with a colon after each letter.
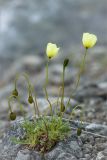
x: 89, y: 40
x: 52, y: 50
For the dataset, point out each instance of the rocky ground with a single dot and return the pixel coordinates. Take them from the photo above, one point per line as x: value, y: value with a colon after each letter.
x: 24, y: 31
x: 91, y: 94
x: 89, y: 146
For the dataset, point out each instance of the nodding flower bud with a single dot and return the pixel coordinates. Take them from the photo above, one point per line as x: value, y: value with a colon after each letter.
x: 30, y: 99
x: 12, y: 116
x: 62, y: 107
x: 66, y: 61
x: 15, y: 92
x: 79, y: 131
x: 58, y: 114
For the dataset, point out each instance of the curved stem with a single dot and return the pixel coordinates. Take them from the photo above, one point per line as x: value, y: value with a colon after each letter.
x: 30, y: 90
x: 56, y: 101
x: 21, y: 109
x: 80, y: 115
x: 9, y: 100
x: 46, y: 95
x: 81, y: 120
x: 36, y: 107
x: 27, y: 79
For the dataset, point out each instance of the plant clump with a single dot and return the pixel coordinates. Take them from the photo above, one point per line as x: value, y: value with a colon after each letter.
x: 44, y: 132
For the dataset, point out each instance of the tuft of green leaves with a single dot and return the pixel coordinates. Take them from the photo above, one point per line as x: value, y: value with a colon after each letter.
x: 44, y: 133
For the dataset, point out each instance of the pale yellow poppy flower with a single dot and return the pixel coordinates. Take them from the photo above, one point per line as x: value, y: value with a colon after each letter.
x: 52, y: 50
x: 89, y: 40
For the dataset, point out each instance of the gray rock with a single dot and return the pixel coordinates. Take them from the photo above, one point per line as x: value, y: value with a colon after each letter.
x: 101, y: 156
x: 72, y: 148
x: 97, y: 128
x: 60, y: 151
x: 23, y: 155
x: 91, y: 91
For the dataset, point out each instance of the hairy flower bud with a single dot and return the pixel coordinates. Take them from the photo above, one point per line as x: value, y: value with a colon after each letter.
x: 62, y: 107
x: 15, y: 92
x: 12, y: 116
x: 79, y: 131
x: 30, y: 99
x: 66, y: 61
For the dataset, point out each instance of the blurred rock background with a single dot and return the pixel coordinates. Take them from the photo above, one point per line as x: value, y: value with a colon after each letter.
x: 26, y: 26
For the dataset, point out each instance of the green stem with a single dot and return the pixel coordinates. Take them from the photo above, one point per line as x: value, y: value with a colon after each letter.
x: 36, y: 106
x: 21, y: 108
x: 82, y: 65
x: 80, y: 115
x: 27, y: 79
x: 81, y: 120
x: 58, y: 103
x: 46, y: 127
x: 60, y: 90
x: 63, y: 75
x: 46, y: 80
x: 45, y: 89
x: 30, y: 90
x: 9, y: 99
x: 80, y: 71
x: 46, y: 95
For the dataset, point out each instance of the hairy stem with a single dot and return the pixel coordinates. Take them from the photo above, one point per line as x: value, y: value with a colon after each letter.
x: 46, y: 128
x: 26, y: 77
x: 82, y: 65
x: 9, y: 99
x: 77, y: 106
x: 17, y: 98
x: 59, y: 92
x: 45, y: 89
x: 63, y: 75
x: 30, y: 90
x: 46, y: 95
x: 36, y: 106
x: 80, y: 71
